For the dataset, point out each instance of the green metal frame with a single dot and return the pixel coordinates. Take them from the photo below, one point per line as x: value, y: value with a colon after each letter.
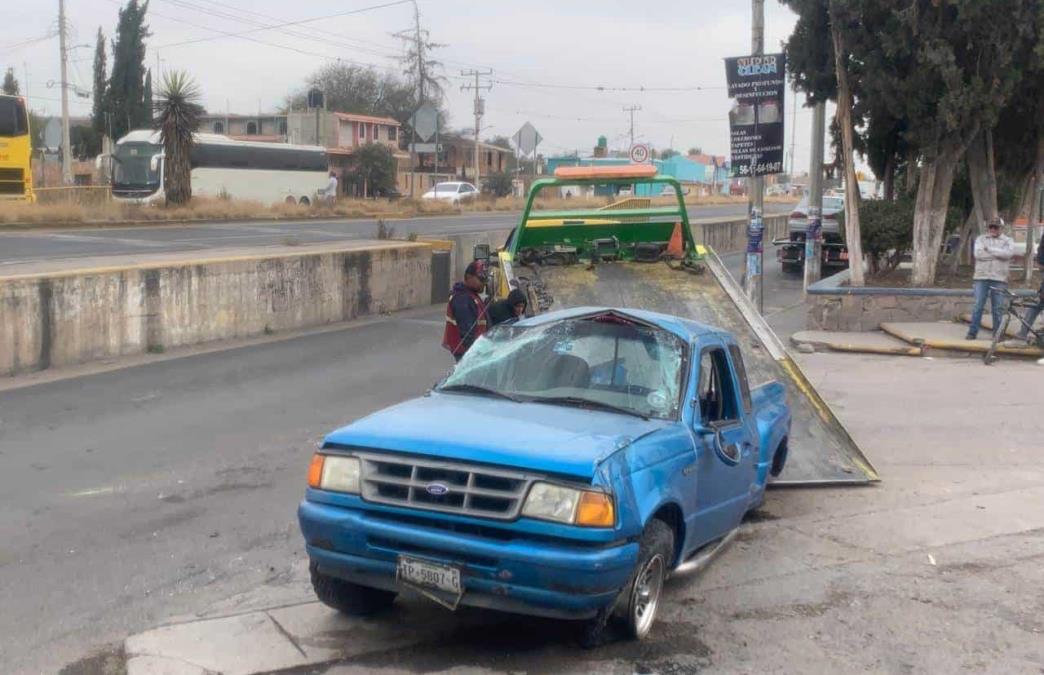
x: 630, y: 226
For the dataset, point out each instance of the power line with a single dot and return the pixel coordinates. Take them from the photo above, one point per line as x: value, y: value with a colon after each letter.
x: 258, y: 41
x: 317, y: 37
x: 586, y: 87
x: 287, y: 24
x: 25, y: 43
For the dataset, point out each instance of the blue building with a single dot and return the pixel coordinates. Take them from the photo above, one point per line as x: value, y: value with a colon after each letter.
x: 691, y: 174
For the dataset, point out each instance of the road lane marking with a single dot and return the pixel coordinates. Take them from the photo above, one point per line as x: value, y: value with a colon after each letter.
x: 108, y: 490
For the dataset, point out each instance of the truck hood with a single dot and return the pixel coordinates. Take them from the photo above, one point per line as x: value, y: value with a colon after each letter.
x: 536, y: 437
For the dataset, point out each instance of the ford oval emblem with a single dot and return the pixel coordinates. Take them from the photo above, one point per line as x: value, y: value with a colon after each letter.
x: 436, y: 489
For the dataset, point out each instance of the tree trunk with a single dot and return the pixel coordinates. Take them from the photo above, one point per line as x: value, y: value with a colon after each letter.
x: 889, y: 178
x: 1034, y: 212
x: 967, y: 228
x: 912, y: 177
x: 983, y: 178
x: 933, y: 199
x: 853, y: 235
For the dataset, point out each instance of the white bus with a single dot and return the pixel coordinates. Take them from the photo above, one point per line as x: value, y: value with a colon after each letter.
x: 266, y: 172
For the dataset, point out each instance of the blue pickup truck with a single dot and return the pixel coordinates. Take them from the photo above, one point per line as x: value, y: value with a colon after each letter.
x: 565, y: 468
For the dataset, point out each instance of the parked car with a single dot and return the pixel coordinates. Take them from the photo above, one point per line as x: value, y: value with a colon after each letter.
x: 790, y: 251
x: 454, y: 192
x: 565, y: 468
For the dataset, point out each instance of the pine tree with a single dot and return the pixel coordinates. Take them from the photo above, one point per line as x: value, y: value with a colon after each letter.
x: 147, y: 97
x: 101, y: 87
x: 10, y: 86
x: 127, y: 82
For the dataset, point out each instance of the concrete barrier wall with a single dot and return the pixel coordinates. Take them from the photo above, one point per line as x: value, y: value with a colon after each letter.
x: 58, y: 320
x: 730, y: 236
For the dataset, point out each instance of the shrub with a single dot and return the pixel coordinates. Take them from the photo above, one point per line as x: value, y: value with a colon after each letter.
x: 498, y: 184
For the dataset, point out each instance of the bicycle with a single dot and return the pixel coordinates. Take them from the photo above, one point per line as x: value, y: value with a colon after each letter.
x: 1017, y: 306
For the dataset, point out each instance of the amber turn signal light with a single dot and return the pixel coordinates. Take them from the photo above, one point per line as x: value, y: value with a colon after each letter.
x: 595, y: 510
x: 315, y: 471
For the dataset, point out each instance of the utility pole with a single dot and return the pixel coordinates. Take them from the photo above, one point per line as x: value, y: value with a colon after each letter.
x: 480, y: 109
x: 814, y: 230
x: 67, y: 177
x: 632, y: 109
x: 756, y: 186
x: 793, y: 134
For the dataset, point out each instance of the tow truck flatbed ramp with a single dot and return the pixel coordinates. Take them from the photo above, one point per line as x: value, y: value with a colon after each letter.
x: 820, y: 450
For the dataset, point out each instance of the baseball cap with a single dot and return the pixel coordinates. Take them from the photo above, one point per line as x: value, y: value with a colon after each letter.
x: 476, y: 268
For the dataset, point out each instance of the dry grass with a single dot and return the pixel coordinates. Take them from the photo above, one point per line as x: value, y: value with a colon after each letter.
x: 38, y: 215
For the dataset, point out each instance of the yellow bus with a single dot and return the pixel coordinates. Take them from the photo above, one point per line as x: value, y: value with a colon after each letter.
x: 16, y: 149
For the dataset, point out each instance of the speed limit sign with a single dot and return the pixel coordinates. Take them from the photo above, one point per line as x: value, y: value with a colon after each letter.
x: 639, y: 153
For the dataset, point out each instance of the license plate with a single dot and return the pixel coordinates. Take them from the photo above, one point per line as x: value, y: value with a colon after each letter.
x: 429, y: 575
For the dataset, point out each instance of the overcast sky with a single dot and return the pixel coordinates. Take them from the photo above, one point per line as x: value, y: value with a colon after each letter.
x: 542, y: 53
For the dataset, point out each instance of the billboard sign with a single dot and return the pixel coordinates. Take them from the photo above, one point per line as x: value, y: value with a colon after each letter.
x: 757, y: 85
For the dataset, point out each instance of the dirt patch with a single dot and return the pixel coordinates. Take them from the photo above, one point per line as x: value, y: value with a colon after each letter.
x: 108, y: 661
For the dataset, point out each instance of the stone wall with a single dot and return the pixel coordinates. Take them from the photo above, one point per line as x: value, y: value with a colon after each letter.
x: 868, y: 312
x: 835, y: 306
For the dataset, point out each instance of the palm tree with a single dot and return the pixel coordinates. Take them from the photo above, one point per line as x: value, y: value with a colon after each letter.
x: 177, y: 117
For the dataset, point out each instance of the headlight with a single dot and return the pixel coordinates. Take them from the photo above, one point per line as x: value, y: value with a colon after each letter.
x: 334, y: 472
x: 568, y: 505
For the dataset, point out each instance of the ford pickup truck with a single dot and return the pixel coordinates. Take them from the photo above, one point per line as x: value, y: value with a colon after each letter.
x: 566, y: 467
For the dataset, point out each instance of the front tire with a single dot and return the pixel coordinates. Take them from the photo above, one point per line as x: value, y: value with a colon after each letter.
x: 655, y: 556
x: 304, y: 201
x: 999, y: 335
x: 640, y: 600
x: 346, y: 597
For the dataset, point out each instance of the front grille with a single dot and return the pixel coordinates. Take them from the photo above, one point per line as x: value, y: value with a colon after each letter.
x: 450, y: 487
x: 12, y: 188
x: 8, y: 173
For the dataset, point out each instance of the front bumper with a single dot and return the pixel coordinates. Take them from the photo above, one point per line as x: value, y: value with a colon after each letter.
x: 524, y: 574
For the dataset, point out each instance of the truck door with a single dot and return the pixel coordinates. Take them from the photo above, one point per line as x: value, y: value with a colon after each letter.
x: 725, y: 452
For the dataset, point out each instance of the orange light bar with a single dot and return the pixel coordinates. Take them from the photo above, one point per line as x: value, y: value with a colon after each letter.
x: 619, y: 171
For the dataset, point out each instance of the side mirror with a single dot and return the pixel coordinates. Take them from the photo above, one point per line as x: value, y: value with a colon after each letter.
x: 99, y: 162
x: 154, y: 163
x: 480, y: 252
x: 728, y: 453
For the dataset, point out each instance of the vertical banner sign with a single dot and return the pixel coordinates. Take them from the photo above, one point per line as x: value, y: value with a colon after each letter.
x: 757, y: 85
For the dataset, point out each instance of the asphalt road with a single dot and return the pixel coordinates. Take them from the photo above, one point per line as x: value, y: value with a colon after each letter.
x: 141, y: 494
x: 23, y: 246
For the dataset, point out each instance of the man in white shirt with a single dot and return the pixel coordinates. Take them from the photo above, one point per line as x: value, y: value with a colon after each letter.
x: 329, y: 193
x: 993, y: 253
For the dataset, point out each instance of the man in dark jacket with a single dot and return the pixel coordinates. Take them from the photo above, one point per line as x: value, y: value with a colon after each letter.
x: 466, y: 311
x: 512, y: 307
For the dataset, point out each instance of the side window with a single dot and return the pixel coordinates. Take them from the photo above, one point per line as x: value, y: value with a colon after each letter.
x: 715, y: 391
x: 741, y: 374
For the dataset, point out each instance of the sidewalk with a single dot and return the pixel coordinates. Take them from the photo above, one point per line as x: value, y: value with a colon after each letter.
x: 936, y: 569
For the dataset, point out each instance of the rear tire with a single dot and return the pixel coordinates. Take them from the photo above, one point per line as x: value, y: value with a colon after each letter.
x: 346, y: 597
x: 290, y: 200
x: 304, y: 201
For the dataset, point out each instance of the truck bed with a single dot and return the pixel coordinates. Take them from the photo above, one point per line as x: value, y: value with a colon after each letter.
x: 820, y: 449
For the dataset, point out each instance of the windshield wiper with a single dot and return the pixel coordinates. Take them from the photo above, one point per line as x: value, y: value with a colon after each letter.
x: 581, y: 402
x: 477, y: 389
